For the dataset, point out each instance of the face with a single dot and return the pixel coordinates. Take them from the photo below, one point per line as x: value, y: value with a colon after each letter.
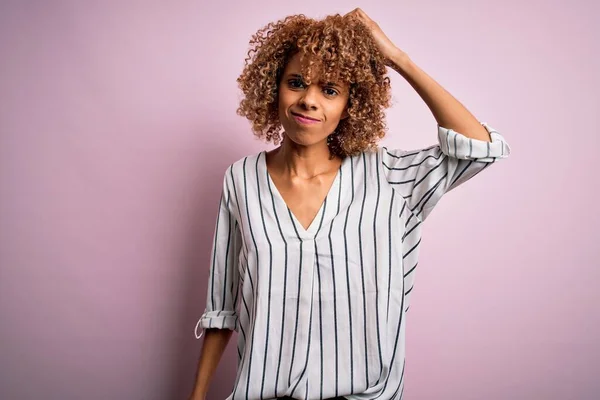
x: 323, y: 102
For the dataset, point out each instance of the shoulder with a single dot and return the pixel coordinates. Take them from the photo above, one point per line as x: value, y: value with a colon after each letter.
x: 382, y: 152
x: 369, y: 154
x: 365, y: 164
x: 372, y: 157
x: 235, y: 173
x: 237, y: 167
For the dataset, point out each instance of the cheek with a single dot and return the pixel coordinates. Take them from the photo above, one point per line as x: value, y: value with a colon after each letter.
x: 335, y: 115
x: 337, y: 109
x: 283, y: 102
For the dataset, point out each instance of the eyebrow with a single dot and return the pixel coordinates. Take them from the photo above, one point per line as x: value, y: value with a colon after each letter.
x: 294, y: 75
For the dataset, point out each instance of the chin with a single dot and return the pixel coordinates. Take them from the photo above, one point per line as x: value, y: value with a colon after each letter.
x: 303, y: 138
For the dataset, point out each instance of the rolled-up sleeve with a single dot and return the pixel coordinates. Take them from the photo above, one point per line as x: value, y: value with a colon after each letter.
x: 221, y: 299
x: 459, y: 146
x: 423, y: 176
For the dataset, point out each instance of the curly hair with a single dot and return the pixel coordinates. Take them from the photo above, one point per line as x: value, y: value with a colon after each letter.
x: 340, y: 49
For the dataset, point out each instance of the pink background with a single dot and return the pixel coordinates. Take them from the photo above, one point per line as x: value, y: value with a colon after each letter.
x: 117, y: 121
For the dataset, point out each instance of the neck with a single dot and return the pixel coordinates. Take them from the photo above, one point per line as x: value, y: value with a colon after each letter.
x: 305, y: 161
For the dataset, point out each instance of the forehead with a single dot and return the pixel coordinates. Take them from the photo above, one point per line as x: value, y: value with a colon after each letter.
x: 295, y: 66
x: 294, y: 63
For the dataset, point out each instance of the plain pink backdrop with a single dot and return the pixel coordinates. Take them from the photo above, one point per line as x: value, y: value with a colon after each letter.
x: 117, y: 121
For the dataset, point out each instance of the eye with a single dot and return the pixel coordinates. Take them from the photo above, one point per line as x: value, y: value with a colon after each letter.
x: 293, y: 82
x: 298, y: 83
x: 332, y: 92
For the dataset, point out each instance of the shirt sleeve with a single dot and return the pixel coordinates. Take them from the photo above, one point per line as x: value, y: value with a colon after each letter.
x: 221, y: 298
x: 423, y: 176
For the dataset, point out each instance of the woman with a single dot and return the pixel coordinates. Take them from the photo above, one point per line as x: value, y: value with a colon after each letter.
x: 317, y: 241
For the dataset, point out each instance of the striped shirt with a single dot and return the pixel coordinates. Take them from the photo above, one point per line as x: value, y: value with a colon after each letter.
x: 321, y: 312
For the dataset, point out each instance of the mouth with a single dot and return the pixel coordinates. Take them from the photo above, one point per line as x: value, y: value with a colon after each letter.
x: 304, y: 119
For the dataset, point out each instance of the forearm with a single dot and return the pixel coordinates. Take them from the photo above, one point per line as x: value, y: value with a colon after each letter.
x: 447, y: 110
x: 213, y: 346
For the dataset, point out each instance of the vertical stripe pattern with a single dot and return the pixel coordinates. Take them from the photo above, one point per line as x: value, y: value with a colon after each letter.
x: 321, y: 310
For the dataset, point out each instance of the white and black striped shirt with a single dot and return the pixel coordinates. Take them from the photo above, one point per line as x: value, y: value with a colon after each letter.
x: 321, y: 311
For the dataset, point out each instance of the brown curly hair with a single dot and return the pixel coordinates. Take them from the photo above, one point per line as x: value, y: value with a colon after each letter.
x: 341, y: 49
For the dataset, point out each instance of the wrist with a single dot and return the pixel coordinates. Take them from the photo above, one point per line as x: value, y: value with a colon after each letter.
x: 198, y: 394
x: 400, y: 61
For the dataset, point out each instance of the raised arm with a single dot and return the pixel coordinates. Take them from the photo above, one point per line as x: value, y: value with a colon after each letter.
x: 448, y: 111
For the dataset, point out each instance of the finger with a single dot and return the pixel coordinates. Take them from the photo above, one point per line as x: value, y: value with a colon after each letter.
x: 363, y: 15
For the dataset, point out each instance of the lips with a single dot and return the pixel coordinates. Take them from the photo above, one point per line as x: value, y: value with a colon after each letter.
x: 304, y: 116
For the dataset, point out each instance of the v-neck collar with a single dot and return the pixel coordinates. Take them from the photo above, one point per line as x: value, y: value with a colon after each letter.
x: 305, y: 233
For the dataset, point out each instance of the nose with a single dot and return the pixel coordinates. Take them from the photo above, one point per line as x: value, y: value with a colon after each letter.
x: 309, y: 97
